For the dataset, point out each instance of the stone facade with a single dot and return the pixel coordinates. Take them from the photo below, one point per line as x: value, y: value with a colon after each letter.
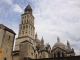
x: 29, y: 46
x: 27, y: 43
x: 6, y: 42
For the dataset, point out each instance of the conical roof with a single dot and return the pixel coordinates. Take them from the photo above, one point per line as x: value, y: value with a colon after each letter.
x: 28, y: 8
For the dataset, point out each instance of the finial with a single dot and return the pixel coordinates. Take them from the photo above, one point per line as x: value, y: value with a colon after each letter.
x: 58, y: 39
x: 68, y: 42
x: 28, y: 9
x: 29, y: 3
x: 42, y: 40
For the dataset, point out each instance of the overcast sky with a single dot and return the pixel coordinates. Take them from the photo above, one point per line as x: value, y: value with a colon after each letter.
x: 52, y: 18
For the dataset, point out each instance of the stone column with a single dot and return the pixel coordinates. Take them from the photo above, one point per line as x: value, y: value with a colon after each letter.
x: 60, y: 54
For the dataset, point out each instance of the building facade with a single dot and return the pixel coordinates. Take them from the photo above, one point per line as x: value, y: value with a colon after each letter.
x: 27, y: 43
x: 7, y: 36
x: 29, y: 46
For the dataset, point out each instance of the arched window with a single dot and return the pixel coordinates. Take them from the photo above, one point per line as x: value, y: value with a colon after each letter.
x: 58, y: 54
x: 54, y: 55
x: 22, y: 22
x: 25, y: 17
x: 36, y: 56
x: 26, y: 26
x: 5, y: 59
x: 62, y: 54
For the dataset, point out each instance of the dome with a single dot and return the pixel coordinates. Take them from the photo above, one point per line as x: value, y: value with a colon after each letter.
x: 59, y: 44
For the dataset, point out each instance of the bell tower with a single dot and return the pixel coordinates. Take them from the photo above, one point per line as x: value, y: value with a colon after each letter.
x: 26, y: 27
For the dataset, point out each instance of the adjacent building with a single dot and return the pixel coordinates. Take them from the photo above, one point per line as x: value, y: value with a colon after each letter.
x: 7, y: 36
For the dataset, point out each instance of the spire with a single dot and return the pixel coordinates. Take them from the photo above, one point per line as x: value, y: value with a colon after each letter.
x: 42, y: 40
x: 68, y: 44
x: 28, y: 9
x: 36, y: 35
x: 58, y: 40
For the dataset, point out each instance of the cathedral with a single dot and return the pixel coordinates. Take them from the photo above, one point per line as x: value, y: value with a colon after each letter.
x: 27, y: 44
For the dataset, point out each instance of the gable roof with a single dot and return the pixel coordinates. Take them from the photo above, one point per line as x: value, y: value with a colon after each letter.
x: 59, y: 48
x: 7, y: 29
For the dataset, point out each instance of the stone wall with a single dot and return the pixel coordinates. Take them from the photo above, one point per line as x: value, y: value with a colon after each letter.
x: 61, y: 58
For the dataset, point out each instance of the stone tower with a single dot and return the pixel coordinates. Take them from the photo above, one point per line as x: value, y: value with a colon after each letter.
x: 26, y: 27
x: 7, y: 36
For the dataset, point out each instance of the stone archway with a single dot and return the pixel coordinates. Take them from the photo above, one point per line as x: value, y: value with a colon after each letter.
x: 54, y: 55
x: 58, y: 54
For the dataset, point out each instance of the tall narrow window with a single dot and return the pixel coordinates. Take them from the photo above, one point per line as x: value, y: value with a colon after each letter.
x: 23, y: 27
x: 62, y: 54
x: 9, y: 38
x: 5, y: 59
x: 22, y: 22
x: 36, y: 56
x: 26, y: 26
x: 25, y: 17
x: 54, y: 55
x: 32, y: 54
